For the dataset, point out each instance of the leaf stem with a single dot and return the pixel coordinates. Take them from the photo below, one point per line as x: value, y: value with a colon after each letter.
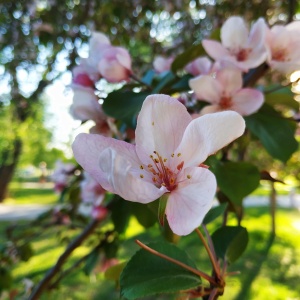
x: 177, y: 262
x: 210, y: 252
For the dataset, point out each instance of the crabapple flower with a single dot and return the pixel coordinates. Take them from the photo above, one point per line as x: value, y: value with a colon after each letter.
x: 166, y: 159
x: 283, y: 43
x: 199, y: 66
x: 246, y: 50
x: 115, y: 64
x: 61, y: 175
x: 225, y: 92
x: 85, y: 105
x: 162, y: 64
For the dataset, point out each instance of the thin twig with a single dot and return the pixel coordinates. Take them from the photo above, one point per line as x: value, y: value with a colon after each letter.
x: 211, y: 255
x: 177, y: 262
x: 56, y: 268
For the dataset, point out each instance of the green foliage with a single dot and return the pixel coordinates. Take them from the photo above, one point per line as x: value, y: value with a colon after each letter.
x: 230, y: 242
x: 214, y: 213
x: 124, y: 105
x: 237, y: 179
x: 146, y: 274
x: 282, y: 97
x: 275, y: 132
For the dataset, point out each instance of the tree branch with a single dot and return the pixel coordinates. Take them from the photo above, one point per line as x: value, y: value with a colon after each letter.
x: 56, y: 268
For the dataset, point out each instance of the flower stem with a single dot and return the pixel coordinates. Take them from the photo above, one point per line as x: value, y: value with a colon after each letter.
x: 177, y: 262
x: 210, y: 253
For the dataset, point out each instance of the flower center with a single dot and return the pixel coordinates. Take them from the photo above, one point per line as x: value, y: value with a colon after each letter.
x: 242, y: 54
x: 225, y: 102
x: 162, y: 175
x: 279, y: 55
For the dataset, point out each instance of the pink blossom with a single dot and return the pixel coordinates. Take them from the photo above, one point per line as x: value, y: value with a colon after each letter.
x: 283, y: 43
x: 225, y: 92
x: 61, y: 175
x: 85, y: 105
x: 246, y: 50
x: 91, y: 191
x: 84, y: 75
x: 200, y: 66
x: 115, y: 64
x: 166, y: 159
x: 162, y: 64
x: 99, y: 212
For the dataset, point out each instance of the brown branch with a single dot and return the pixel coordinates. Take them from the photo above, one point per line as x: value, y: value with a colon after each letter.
x: 56, y: 268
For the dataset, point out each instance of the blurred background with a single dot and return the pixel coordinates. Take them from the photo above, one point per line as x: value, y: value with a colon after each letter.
x: 40, y: 42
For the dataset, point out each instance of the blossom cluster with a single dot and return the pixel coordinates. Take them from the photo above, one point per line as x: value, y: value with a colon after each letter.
x: 171, y: 145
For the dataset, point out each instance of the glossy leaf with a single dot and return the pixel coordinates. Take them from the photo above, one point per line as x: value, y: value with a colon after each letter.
x: 187, y: 56
x: 91, y: 261
x: 124, y: 105
x: 214, y: 213
x: 114, y: 272
x: 146, y: 274
x: 230, y: 242
x: 164, y: 81
x: 145, y: 216
x: 237, y: 179
x: 274, y: 131
x: 282, y: 97
x: 120, y: 214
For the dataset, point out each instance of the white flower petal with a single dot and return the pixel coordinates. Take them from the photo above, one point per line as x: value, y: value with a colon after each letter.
x: 160, y: 126
x: 189, y: 203
x: 209, y: 133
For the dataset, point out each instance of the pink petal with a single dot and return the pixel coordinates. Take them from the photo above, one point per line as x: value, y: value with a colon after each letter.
x: 234, y: 33
x: 257, y: 33
x: 123, y: 57
x: 208, y: 109
x: 207, y: 134
x: 125, y: 180
x: 87, y: 149
x: 189, y: 203
x: 160, y: 126
x: 199, y: 66
x: 230, y: 79
x: 215, y: 49
x: 254, y: 59
x: 206, y: 88
x: 247, y: 101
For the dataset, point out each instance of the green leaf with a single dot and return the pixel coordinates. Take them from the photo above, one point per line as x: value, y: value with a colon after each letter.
x: 282, y: 97
x: 230, y: 242
x: 187, y: 56
x: 146, y: 274
x: 148, y: 77
x: 120, y: 214
x: 124, y: 105
x: 167, y: 79
x: 143, y: 214
x: 25, y: 251
x: 214, y: 213
x: 237, y: 179
x: 182, y: 84
x: 274, y: 131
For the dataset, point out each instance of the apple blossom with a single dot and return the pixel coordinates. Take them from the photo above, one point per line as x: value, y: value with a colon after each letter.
x: 246, y: 50
x: 199, y: 66
x: 225, y: 92
x: 61, y: 175
x: 85, y: 105
x: 115, y: 64
x: 167, y: 159
x: 283, y: 43
x: 162, y: 64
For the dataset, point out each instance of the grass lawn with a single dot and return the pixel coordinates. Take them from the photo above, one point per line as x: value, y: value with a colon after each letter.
x: 20, y: 194
x: 270, y: 268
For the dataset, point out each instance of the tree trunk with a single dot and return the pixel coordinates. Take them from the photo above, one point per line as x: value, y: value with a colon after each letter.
x: 7, y: 170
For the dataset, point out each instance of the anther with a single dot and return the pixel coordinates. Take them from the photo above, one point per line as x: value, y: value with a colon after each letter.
x: 154, y: 152
x: 188, y: 176
x: 141, y: 175
x: 172, y: 154
x: 152, y: 123
x: 165, y: 159
x: 179, y: 154
x: 141, y: 167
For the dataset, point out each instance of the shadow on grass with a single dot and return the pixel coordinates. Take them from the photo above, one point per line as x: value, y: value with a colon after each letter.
x: 254, y: 271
